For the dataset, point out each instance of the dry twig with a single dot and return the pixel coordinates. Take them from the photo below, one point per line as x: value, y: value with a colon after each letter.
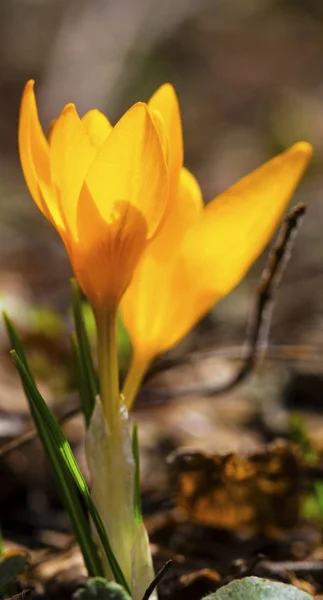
x: 259, y: 324
x: 31, y: 434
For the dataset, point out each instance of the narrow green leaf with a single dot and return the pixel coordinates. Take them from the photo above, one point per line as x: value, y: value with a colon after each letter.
x: 123, y: 339
x: 124, y: 346
x: 68, y: 491
x: 85, y: 392
x: 16, y: 342
x: 89, y: 373
x: 53, y: 430
x: 137, y: 496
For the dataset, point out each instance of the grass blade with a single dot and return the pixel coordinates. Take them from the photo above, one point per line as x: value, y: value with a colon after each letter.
x: 69, y: 494
x: 137, y: 496
x: 85, y: 392
x: 16, y: 343
x: 50, y: 425
x: 90, y: 378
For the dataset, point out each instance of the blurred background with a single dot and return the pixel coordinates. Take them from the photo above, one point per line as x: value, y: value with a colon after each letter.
x: 249, y: 77
x: 248, y: 74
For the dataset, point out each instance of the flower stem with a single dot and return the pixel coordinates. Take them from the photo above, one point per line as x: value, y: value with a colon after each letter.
x: 109, y: 448
x: 111, y: 462
x: 106, y: 323
x: 133, y: 380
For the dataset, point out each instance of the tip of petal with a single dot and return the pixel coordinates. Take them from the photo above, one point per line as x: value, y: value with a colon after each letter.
x: 30, y: 84
x: 69, y: 109
x: 302, y: 148
x: 29, y: 91
x: 139, y: 106
x: 166, y: 92
x: 139, y: 109
x: 168, y: 87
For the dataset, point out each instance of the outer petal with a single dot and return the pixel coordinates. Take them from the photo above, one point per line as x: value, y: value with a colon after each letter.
x: 34, y: 156
x: 149, y: 306
x: 160, y: 126
x: 184, y: 209
x: 238, y: 224
x: 130, y: 167
x: 165, y: 301
x: 97, y: 126
x: 71, y: 154
x: 165, y: 102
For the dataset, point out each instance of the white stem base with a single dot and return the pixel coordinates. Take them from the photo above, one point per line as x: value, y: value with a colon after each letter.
x: 111, y: 463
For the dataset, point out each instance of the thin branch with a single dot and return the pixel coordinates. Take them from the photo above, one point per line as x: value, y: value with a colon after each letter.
x: 157, y: 579
x: 31, y: 434
x: 259, y: 324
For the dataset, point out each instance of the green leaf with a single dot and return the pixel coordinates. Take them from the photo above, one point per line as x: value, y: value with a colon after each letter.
x: 67, y: 488
x: 99, y: 588
x: 89, y: 381
x: 124, y: 346
x: 12, y: 565
x: 137, y: 496
x: 123, y: 339
x: 16, y: 342
x: 53, y: 431
x: 85, y: 393
x: 255, y: 588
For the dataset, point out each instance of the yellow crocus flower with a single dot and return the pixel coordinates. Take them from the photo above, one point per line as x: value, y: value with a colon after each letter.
x: 104, y: 189
x: 201, y: 253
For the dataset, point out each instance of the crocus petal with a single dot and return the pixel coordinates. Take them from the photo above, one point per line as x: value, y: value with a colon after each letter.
x: 234, y: 230
x: 166, y: 299
x: 148, y: 305
x: 130, y: 166
x: 108, y: 252
x: 188, y: 205
x: 34, y: 156
x: 50, y: 130
x: 184, y: 209
x: 71, y: 154
x: 238, y: 224
x: 160, y: 126
x: 165, y: 102
x: 97, y: 126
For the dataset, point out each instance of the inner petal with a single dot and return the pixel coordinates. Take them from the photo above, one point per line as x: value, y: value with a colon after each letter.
x: 71, y: 154
x: 97, y: 126
x: 107, y: 251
